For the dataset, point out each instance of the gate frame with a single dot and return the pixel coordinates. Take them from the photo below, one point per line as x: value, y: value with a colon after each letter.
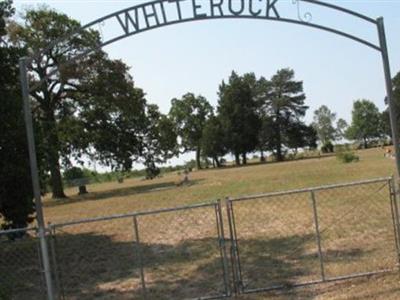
x: 236, y: 260
x: 26, y: 61
x: 220, y: 242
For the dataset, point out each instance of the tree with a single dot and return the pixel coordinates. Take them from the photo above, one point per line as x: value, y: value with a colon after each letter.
x: 189, y: 115
x: 366, y: 122
x: 112, y: 114
x: 258, y: 88
x: 212, y: 143
x: 385, y: 116
x: 16, y: 196
x: 323, y: 123
x: 160, y: 140
x: 237, y: 111
x: 283, y: 105
x: 54, y: 98
x: 6, y: 11
x: 341, y: 127
x: 300, y: 135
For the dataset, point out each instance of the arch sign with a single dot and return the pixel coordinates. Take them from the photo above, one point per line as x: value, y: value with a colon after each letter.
x: 160, y: 13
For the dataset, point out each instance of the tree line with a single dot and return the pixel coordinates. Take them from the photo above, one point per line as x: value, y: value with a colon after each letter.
x: 92, y: 109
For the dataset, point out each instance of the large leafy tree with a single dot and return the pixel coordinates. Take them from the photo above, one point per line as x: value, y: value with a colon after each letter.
x: 283, y: 104
x: 366, y: 122
x: 190, y: 114
x: 54, y: 92
x: 237, y: 111
x: 16, y: 198
x: 112, y: 114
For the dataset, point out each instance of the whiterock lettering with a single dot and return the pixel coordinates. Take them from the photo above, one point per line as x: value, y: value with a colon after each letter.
x: 164, y: 12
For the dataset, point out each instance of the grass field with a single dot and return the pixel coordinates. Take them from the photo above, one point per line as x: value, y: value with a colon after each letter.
x: 137, y: 195
x: 179, y: 250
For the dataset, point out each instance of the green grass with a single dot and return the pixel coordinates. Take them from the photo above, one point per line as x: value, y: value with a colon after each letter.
x: 276, y: 237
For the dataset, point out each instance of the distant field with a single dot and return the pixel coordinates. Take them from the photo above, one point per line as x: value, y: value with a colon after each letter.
x: 136, y: 195
x: 100, y: 264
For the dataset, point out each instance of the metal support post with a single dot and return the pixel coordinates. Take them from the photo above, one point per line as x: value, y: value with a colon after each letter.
x: 389, y: 90
x: 318, y: 234
x: 139, y: 256
x: 35, y: 178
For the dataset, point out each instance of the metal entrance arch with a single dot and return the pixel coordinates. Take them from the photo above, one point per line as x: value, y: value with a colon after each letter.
x: 159, y: 13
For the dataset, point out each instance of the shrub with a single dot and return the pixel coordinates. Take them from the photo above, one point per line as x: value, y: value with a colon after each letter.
x: 347, y: 156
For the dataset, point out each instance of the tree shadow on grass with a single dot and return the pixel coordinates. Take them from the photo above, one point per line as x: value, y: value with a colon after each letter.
x: 122, y: 192
x: 97, y: 266
x: 20, y: 269
x: 291, y: 260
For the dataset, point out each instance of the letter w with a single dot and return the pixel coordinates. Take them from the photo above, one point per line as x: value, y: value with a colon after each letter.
x: 129, y: 20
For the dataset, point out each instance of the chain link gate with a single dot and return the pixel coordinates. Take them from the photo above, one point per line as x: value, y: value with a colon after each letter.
x: 316, y: 235
x: 148, y: 255
x: 277, y: 240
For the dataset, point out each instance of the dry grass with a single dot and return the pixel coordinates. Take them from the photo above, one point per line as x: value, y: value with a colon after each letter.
x: 180, y: 252
x: 137, y: 195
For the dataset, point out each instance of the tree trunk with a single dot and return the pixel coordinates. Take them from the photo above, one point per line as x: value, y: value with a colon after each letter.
x: 53, y: 156
x: 365, y: 143
x: 244, y: 158
x: 198, y: 163
x: 217, y: 162
x: 237, y: 159
x: 279, y: 156
x: 262, y: 157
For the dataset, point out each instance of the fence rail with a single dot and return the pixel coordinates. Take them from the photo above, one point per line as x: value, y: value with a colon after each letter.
x: 211, y: 251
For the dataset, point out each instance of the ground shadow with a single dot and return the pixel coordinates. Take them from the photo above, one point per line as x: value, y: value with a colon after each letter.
x: 94, y: 266
x: 123, y: 192
x: 20, y: 269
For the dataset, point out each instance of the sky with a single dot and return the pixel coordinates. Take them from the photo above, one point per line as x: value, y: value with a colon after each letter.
x: 196, y: 56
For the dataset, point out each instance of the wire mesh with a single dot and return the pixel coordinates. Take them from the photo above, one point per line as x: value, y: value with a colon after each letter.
x: 181, y: 254
x: 95, y: 259
x: 275, y: 240
x: 21, y: 273
x: 357, y: 233
x: 170, y: 254
x: 314, y: 235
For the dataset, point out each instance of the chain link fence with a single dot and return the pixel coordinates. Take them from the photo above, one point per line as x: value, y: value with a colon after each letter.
x: 21, y: 275
x: 175, y: 253
x: 313, y: 235
x: 269, y: 241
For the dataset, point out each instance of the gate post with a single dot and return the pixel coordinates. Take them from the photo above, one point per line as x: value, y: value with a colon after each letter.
x: 222, y: 245
x: 235, y: 259
x: 35, y: 178
x: 318, y: 234
x: 389, y: 91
